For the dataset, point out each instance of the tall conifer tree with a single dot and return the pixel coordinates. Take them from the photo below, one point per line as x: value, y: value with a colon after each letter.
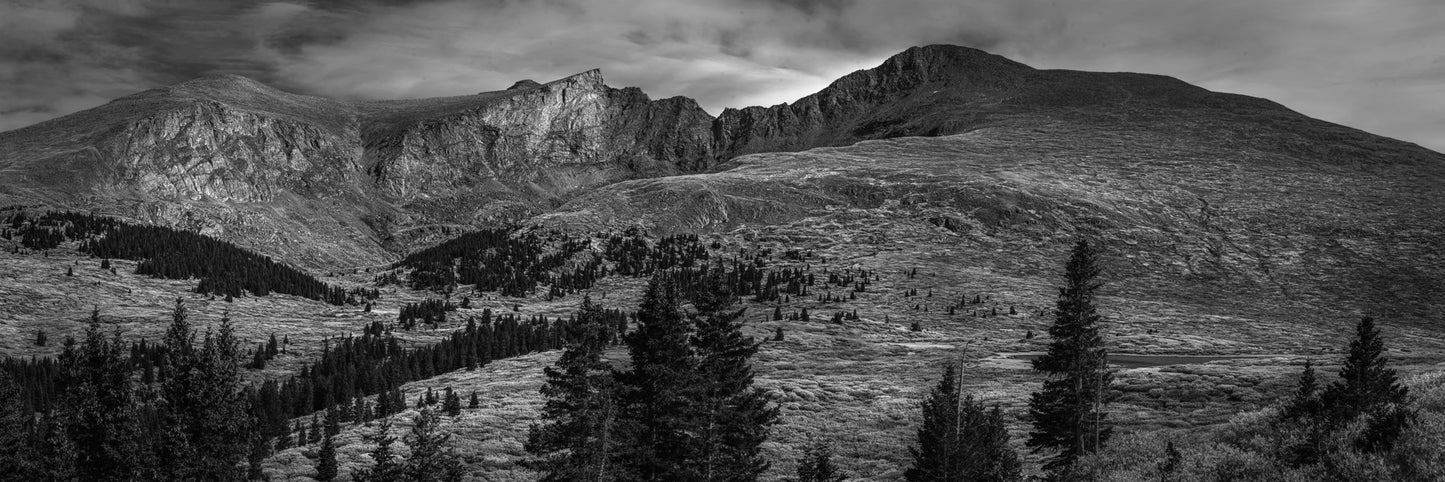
x: 432, y: 458
x: 657, y: 394
x: 1067, y: 412
x: 180, y: 397
x: 15, y: 418
x: 580, y: 434
x: 730, y: 418
x: 50, y: 454
x: 1366, y: 381
x: 384, y: 465
x: 960, y: 439
x: 326, y: 458
x: 937, y: 457
x: 1368, y: 387
x: 817, y: 465
x: 100, y: 409
x: 223, y: 425
x: 1305, y: 401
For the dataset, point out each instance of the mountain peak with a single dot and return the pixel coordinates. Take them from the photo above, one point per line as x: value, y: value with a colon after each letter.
x: 935, y: 62
x: 224, y: 85
x: 524, y: 84
x: 591, y: 77
x: 225, y: 79
x: 241, y: 92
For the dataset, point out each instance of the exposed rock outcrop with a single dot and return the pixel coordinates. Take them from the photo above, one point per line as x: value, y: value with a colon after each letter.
x: 892, y: 100
x: 209, y: 150
x: 572, y: 133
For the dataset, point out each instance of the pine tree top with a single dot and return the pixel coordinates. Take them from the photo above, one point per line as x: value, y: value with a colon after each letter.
x: 1365, y: 379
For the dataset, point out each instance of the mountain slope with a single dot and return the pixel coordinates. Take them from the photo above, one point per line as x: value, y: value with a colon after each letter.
x: 329, y: 183
x: 943, y: 90
x: 1246, y: 227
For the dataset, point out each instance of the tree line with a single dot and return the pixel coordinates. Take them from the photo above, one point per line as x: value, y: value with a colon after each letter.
x: 515, y: 263
x: 352, y: 368
x: 223, y: 269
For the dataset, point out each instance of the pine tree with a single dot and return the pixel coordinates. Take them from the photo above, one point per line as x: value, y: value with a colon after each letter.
x: 332, y: 425
x: 384, y: 466
x: 14, y: 426
x: 50, y: 453
x: 314, y: 435
x: 205, y: 414
x: 452, y: 403
x: 1067, y: 413
x: 1365, y: 380
x: 730, y: 418
x: 432, y: 459
x: 258, y: 360
x: 283, y: 439
x: 1170, y: 465
x: 475, y: 403
x: 360, y: 412
x: 1305, y: 401
x: 1368, y: 387
x: 580, y: 434
x: 326, y: 458
x: 260, y: 448
x: 99, y: 407
x: 180, y: 388
x: 226, y: 421
x: 302, y: 435
x: 817, y: 465
x: 656, y: 398
x: 960, y: 439
x: 989, y: 438
x: 937, y: 456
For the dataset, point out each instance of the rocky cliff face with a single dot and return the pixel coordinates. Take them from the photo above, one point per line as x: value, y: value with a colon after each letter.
x: 556, y: 137
x: 897, y: 98
x: 208, y: 150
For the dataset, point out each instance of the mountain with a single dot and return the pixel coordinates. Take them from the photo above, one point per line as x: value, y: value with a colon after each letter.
x: 1235, y: 193
x: 1208, y: 196
x: 329, y: 183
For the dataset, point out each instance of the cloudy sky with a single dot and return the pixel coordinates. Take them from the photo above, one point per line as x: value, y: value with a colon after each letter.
x: 1374, y: 64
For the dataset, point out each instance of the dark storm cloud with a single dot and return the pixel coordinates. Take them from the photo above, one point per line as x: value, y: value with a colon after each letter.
x: 1374, y: 65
